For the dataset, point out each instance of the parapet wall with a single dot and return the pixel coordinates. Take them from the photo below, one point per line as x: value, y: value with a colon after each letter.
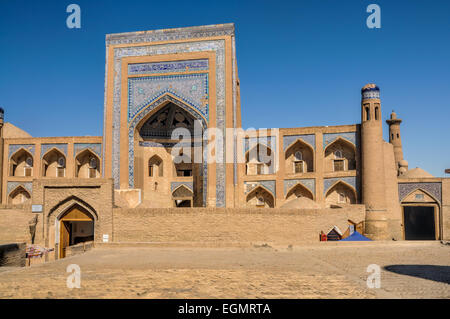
x: 221, y: 226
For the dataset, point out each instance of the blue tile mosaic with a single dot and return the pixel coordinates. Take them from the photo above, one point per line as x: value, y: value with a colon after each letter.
x: 11, y: 186
x: 288, y: 140
x: 309, y: 183
x: 167, y: 67
x: 46, y: 147
x: 329, y: 138
x: 269, y: 185
x: 175, y: 185
x: 94, y: 147
x: 329, y: 182
x: 13, y: 148
x: 435, y: 189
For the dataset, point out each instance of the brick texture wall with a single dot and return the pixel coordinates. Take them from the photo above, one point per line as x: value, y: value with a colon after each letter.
x: 13, y: 255
x: 215, y: 225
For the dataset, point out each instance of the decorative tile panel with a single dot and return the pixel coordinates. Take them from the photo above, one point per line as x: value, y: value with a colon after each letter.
x: 434, y: 189
x: 329, y: 182
x: 94, y: 147
x: 13, y: 148
x: 192, y: 89
x: 269, y: 185
x: 309, y: 183
x: 46, y: 147
x: 329, y: 138
x: 168, y: 67
x: 13, y: 185
x: 288, y: 140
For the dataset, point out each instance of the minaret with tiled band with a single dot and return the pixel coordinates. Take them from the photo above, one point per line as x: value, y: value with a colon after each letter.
x: 395, y: 138
x: 373, y: 185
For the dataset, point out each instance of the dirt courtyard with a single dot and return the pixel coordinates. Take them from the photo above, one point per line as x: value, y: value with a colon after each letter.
x: 408, y: 270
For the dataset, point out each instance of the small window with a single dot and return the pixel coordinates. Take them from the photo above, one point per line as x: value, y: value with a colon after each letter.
x: 28, y: 171
x: 298, y: 167
x: 298, y: 156
x: 338, y: 154
x: 92, y: 173
x: 367, y: 113
x: 29, y: 162
x: 150, y: 171
x: 93, y: 163
x: 259, y: 201
x: 60, y: 172
x: 339, y: 165
x: 259, y: 169
x: 392, y: 136
x: 398, y: 135
x: 341, y: 198
x: 376, y: 113
x: 420, y: 197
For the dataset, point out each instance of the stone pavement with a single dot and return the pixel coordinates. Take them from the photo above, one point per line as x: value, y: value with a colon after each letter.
x: 413, y: 270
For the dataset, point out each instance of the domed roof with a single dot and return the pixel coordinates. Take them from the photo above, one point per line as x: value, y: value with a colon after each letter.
x: 370, y: 87
x: 417, y: 173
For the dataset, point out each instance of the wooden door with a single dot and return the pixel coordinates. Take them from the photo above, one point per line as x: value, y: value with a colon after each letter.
x: 64, y: 238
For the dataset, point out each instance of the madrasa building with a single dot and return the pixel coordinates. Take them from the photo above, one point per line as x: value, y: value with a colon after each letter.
x: 175, y: 93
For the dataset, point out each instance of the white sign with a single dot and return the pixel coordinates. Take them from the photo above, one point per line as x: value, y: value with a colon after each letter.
x: 105, y: 238
x: 36, y: 208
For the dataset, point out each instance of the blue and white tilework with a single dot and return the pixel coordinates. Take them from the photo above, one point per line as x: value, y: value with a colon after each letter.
x: 435, y: 189
x: 168, y: 67
x: 288, y: 140
x: 13, y: 185
x: 191, y: 89
x: 175, y: 185
x: 269, y: 185
x: 46, y: 147
x: 309, y: 183
x: 94, y: 147
x: 329, y: 182
x: 13, y: 148
x: 329, y: 138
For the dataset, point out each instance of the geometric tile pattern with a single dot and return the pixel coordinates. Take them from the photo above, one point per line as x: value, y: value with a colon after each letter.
x: 328, y: 182
x: 13, y: 185
x: 15, y: 147
x: 167, y: 67
x: 94, y: 147
x: 309, y: 183
x: 434, y: 189
x: 46, y: 147
x: 329, y: 138
x: 308, y: 139
x: 269, y: 185
x: 175, y: 185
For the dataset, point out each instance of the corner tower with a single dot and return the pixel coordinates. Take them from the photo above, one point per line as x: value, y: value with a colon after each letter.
x: 395, y: 138
x: 373, y: 184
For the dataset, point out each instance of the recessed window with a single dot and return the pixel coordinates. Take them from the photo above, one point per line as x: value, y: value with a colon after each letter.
x: 377, y: 113
x: 298, y: 167
x: 341, y: 198
x: 259, y: 201
x: 338, y: 154
x: 367, y: 113
x: 339, y: 165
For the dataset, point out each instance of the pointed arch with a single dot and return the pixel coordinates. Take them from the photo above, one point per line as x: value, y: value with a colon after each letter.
x: 424, y: 191
x: 341, y: 193
x: 155, y: 166
x: 303, y: 165
x: 182, y: 191
x: 87, y: 164
x: 19, y: 196
x: 299, y: 190
x: 21, y: 163
x: 52, y: 165
x: 260, y: 197
x: 344, y: 163
x: 67, y: 204
x: 256, y: 165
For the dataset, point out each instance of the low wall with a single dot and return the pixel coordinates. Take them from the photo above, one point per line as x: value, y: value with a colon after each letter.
x: 14, y: 225
x: 13, y: 255
x: 220, y: 225
x: 79, y: 248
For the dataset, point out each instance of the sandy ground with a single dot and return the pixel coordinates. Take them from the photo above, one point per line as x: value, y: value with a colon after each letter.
x: 408, y: 270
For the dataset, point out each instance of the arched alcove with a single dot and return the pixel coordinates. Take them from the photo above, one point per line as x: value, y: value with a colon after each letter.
x: 87, y: 164
x: 182, y: 197
x: 155, y: 166
x: 340, y: 194
x: 340, y: 156
x: 260, y: 160
x: 299, y: 191
x: 299, y: 158
x: 260, y: 197
x: 19, y: 196
x: 21, y: 164
x: 54, y: 164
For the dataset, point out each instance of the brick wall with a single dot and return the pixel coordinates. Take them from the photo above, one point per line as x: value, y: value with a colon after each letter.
x: 14, y: 226
x: 216, y: 225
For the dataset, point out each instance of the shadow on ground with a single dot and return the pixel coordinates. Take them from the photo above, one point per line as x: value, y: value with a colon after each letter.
x: 430, y: 272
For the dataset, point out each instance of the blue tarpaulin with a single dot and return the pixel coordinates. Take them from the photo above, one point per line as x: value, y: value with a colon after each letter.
x: 356, y: 237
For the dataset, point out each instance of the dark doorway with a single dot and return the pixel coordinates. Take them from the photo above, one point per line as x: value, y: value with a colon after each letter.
x: 419, y: 223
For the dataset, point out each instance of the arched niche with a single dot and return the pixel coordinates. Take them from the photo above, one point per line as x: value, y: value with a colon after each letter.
x: 87, y: 164
x: 183, y: 197
x: 54, y: 164
x: 299, y: 191
x: 21, y: 164
x: 19, y: 196
x: 155, y: 167
x: 299, y: 158
x: 261, y: 198
x: 340, y: 156
x: 340, y: 194
x: 260, y: 160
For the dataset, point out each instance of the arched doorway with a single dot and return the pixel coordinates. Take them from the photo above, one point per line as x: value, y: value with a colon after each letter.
x: 76, y: 226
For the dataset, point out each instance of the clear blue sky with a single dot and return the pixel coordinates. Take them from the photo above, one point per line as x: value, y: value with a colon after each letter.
x: 301, y: 63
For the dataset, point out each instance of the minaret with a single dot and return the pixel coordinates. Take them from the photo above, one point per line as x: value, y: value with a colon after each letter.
x: 395, y: 138
x: 373, y: 184
x: 2, y: 116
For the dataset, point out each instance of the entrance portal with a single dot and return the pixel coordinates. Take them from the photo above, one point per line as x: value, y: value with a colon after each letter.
x: 76, y: 226
x: 419, y: 223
